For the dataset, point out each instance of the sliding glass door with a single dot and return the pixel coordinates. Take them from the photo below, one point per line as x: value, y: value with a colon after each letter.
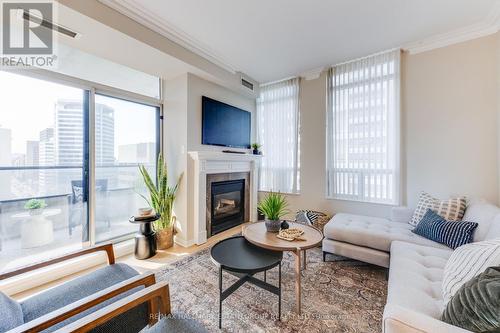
x: 43, y: 198
x: 70, y: 152
x: 126, y: 136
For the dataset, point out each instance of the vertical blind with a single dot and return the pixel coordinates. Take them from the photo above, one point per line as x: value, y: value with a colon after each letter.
x: 278, y: 133
x: 363, y: 129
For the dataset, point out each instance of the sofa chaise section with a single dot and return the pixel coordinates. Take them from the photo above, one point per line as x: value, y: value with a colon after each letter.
x: 369, y: 238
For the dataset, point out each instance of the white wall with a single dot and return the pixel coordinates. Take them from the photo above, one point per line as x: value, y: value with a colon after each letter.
x: 182, y: 128
x: 450, y: 109
x: 198, y: 87
x: 174, y: 145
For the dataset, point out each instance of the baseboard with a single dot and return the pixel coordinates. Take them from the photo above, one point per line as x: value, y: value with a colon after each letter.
x: 184, y: 242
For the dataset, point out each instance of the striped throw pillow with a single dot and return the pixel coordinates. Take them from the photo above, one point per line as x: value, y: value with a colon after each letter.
x: 450, y: 233
x: 467, y: 262
x: 452, y: 209
x: 309, y: 217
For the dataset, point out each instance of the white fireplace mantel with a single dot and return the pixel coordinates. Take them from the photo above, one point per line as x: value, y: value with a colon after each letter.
x: 213, y: 162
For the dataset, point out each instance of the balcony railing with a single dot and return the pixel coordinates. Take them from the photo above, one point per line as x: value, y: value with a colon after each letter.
x: 67, y: 215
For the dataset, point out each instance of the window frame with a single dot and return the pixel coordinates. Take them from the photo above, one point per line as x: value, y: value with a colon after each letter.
x: 330, y: 89
x: 90, y: 90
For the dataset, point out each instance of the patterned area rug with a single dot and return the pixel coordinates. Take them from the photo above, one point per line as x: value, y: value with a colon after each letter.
x: 340, y: 295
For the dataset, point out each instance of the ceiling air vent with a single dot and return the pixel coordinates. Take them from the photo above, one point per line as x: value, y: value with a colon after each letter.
x: 247, y: 84
x: 49, y: 25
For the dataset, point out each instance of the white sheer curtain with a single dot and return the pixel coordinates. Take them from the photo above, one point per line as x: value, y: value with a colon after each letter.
x: 278, y: 132
x: 363, y: 129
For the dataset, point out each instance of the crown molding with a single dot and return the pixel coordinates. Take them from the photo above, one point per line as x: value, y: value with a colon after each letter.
x: 141, y: 15
x: 490, y: 25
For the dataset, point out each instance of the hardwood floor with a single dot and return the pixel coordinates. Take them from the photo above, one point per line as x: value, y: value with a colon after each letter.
x: 174, y: 253
x: 161, y: 258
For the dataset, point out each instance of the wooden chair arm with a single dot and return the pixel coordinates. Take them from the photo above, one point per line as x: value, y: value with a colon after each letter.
x: 108, y: 248
x: 157, y: 294
x: 70, y: 310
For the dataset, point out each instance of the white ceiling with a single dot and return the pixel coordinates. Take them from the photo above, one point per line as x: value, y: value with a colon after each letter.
x: 275, y: 39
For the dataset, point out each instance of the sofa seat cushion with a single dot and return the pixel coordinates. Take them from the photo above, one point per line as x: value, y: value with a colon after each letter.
x: 415, y: 277
x: 373, y: 232
x: 81, y: 287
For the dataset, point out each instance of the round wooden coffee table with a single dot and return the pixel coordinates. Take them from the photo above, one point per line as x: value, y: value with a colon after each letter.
x: 256, y: 234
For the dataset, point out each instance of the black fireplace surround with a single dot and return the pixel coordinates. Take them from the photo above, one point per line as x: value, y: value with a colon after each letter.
x: 227, y: 205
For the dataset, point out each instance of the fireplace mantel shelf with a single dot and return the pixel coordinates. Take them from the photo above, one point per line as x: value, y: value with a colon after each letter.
x: 220, y: 156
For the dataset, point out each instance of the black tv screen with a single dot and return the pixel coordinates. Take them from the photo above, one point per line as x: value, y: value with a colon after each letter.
x: 225, y: 125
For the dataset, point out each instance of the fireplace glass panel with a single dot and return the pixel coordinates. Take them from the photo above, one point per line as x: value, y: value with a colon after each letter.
x: 228, y: 205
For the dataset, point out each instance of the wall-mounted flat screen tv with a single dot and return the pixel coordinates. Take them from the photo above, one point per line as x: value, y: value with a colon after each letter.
x: 225, y: 125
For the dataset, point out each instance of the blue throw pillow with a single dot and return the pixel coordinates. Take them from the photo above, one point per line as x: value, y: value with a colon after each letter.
x: 450, y: 233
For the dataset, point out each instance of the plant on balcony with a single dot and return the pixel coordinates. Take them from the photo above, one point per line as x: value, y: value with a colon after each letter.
x: 274, y: 206
x: 35, y: 206
x: 161, y: 198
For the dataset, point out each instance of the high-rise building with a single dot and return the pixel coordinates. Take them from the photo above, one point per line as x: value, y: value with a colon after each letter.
x: 46, y: 148
x: 104, y: 135
x: 32, y: 153
x: 5, y: 147
x: 46, y: 157
x: 69, y: 133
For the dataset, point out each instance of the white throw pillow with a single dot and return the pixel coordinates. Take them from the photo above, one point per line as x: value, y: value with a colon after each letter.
x: 452, y: 209
x: 466, y: 262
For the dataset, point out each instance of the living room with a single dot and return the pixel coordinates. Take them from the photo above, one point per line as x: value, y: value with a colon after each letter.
x: 283, y: 166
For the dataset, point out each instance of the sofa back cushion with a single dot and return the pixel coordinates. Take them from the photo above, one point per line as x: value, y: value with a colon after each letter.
x: 450, y: 209
x: 11, y: 314
x: 494, y: 230
x: 483, y: 213
x: 467, y: 262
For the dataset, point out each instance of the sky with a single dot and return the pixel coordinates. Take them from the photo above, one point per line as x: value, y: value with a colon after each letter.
x: 27, y: 107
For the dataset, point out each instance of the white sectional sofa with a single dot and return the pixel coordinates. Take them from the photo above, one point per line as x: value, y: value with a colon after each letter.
x: 414, y: 297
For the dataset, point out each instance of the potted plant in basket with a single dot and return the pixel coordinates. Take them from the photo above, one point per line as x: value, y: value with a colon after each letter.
x: 256, y: 147
x: 161, y: 198
x: 35, y: 206
x: 274, y: 206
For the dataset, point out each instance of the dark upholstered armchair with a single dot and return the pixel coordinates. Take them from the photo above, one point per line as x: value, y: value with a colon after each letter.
x: 115, y: 298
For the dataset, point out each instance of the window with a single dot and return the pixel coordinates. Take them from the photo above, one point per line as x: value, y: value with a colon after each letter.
x: 363, y: 125
x: 125, y: 137
x: 278, y: 133
x: 71, y: 146
x: 40, y: 156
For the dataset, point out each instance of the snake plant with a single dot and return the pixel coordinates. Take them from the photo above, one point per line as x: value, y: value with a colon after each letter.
x: 161, y: 194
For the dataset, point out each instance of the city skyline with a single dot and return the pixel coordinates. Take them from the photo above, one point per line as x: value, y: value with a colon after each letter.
x: 27, y: 107
x: 62, y: 143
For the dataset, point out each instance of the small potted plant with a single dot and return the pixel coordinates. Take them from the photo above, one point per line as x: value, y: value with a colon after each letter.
x: 161, y: 198
x: 35, y: 206
x: 256, y: 146
x: 274, y: 206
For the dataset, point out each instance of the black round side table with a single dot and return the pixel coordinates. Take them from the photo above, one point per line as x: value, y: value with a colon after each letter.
x: 242, y: 259
x: 145, y: 238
